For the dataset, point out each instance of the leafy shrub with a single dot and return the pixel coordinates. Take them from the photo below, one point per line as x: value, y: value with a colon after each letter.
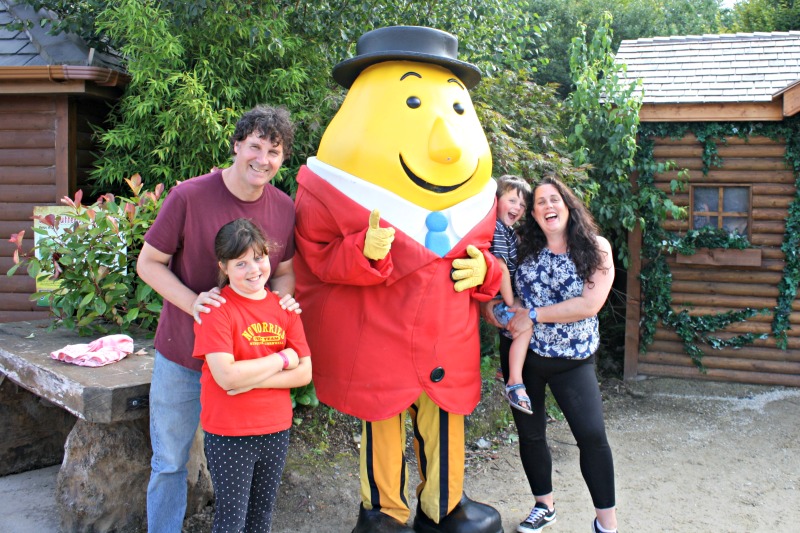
x: 93, y: 258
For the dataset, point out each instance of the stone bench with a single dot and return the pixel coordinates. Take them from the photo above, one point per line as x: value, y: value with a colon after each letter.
x: 102, y: 482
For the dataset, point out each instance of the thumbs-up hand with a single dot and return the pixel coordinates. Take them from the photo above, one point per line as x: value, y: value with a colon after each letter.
x: 470, y: 272
x: 378, y: 241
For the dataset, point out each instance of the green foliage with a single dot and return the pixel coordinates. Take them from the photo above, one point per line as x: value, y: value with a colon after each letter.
x: 632, y: 19
x: 603, y: 122
x: 191, y: 81
x: 655, y: 276
x: 523, y: 122
x: 765, y: 15
x: 94, y: 260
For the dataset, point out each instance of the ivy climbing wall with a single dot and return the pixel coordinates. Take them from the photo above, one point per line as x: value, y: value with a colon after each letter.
x: 718, y: 303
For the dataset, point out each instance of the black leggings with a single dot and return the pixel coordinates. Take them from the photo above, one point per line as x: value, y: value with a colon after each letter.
x: 246, y: 473
x: 574, y: 386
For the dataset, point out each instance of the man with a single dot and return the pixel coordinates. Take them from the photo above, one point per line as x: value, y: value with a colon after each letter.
x: 178, y: 261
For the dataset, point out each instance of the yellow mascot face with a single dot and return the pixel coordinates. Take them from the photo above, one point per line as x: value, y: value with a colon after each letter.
x: 410, y: 128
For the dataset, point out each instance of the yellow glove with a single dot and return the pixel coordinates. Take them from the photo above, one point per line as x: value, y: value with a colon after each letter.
x: 469, y: 272
x: 378, y: 241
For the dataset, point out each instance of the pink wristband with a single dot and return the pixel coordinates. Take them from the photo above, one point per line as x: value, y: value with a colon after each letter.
x: 285, y: 360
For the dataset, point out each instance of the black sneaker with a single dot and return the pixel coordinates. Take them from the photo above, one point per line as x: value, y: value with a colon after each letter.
x: 539, y: 518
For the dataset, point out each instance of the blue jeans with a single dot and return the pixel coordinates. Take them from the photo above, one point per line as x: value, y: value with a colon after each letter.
x: 174, y: 417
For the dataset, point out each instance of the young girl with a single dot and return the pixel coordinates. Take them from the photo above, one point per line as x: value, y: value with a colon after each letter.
x: 513, y: 196
x: 253, y: 353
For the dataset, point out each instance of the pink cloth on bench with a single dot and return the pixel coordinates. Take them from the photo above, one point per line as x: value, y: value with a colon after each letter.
x: 105, y: 350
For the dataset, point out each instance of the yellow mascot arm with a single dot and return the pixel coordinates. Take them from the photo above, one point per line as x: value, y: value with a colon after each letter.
x: 378, y: 240
x: 469, y: 272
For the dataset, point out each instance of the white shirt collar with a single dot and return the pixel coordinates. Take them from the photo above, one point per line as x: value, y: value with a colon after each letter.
x: 402, y: 214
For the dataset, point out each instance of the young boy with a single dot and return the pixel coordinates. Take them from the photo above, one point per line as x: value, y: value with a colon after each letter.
x: 513, y: 196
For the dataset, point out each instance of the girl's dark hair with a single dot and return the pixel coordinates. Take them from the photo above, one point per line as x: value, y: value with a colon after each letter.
x: 273, y: 123
x: 582, y: 232
x: 234, y: 239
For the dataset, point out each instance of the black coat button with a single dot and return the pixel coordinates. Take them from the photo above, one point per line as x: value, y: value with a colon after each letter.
x: 437, y: 374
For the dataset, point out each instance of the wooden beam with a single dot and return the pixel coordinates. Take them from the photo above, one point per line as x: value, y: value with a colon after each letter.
x: 791, y: 101
x: 633, y: 304
x: 711, y: 112
x: 62, y: 129
x: 43, y: 87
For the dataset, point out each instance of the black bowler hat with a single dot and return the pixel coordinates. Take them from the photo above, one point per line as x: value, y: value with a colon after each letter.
x: 411, y: 43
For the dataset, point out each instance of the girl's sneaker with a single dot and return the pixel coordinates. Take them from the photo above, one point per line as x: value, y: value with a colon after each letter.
x: 539, y: 518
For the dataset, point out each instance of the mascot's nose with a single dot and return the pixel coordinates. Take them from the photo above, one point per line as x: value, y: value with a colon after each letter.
x: 442, y: 145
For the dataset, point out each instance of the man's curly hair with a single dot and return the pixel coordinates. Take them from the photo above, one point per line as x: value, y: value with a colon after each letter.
x: 273, y: 123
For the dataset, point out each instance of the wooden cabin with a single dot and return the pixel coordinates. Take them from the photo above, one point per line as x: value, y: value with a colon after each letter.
x: 741, y: 84
x: 52, y: 90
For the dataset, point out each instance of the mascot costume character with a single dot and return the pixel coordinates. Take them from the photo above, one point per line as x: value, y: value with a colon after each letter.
x: 395, y: 215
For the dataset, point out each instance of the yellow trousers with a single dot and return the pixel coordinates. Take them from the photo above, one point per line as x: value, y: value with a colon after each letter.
x: 439, y: 447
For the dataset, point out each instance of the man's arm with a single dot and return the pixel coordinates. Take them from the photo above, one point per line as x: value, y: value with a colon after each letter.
x: 153, y: 267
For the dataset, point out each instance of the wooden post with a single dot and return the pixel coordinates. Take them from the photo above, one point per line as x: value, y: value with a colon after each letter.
x: 633, y: 304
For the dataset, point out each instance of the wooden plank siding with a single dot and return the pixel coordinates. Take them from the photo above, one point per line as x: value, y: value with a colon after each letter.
x: 33, y: 167
x: 712, y: 289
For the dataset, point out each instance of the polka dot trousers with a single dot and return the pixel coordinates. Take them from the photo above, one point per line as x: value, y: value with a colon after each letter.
x: 246, y: 473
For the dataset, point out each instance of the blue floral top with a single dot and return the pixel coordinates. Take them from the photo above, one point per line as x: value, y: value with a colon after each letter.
x: 547, y: 280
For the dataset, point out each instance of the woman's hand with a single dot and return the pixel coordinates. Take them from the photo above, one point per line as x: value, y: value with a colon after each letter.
x: 205, y: 301
x: 288, y: 302
x: 520, y: 322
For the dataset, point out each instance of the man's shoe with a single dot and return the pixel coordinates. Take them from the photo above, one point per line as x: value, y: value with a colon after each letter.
x: 374, y: 521
x: 540, y: 518
x: 467, y: 517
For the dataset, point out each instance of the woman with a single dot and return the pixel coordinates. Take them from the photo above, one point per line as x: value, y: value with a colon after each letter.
x: 564, y: 276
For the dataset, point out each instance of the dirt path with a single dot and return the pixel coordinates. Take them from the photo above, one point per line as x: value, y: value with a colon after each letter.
x: 691, y: 456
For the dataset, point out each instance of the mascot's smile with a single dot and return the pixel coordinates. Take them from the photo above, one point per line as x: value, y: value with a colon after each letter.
x: 441, y: 189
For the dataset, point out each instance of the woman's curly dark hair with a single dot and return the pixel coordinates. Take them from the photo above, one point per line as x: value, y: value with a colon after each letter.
x: 582, y: 232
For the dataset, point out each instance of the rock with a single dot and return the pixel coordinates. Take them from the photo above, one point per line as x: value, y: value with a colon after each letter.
x: 40, y: 429
x: 102, y: 484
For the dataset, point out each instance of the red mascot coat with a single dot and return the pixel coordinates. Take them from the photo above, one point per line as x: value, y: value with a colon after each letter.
x: 382, y: 332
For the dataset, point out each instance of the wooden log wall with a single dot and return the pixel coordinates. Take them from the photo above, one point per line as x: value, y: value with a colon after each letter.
x: 711, y: 289
x: 46, y: 153
x: 33, y: 171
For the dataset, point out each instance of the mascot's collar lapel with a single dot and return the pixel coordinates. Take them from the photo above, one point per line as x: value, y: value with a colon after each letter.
x: 399, y: 212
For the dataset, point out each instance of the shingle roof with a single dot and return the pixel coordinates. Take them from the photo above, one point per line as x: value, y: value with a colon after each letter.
x: 35, y: 47
x: 16, y: 48
x: 741, y: 67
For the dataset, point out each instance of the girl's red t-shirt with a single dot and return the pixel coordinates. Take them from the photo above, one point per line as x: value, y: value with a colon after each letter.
x: 248, y: 329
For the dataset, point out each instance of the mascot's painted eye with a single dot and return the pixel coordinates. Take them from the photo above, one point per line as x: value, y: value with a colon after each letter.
x: 458, y: 108
x: 413, y: 102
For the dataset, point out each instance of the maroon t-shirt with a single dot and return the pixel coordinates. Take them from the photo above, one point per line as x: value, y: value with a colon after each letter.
x: 185, y: 227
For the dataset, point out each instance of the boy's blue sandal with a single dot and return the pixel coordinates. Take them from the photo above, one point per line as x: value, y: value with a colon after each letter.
x: 516, y: 396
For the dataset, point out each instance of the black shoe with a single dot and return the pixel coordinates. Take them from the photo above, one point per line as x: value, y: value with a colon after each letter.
x: 467, y: 517
x: 540, y: 518
x: 374, y: 521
